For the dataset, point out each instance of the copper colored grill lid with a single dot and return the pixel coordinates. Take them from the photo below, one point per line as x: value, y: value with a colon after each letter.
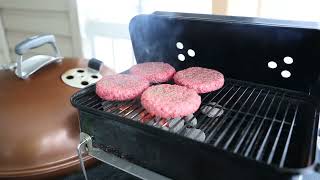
x: 39, y: 127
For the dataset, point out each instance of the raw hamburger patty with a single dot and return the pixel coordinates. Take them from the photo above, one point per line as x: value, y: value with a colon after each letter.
x: 170, y: 101
x: 202, y: 80
x: 154, y: 72
x: 121, y: 87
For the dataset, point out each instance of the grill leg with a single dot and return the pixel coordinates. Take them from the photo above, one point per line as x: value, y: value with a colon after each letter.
x: 84, y: 146
x: 297, y: 177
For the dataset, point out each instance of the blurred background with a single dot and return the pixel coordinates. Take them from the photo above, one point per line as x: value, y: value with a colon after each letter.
x: 99, y: 28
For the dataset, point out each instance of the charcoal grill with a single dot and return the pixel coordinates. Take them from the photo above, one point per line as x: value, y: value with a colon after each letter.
x: 269, y: 124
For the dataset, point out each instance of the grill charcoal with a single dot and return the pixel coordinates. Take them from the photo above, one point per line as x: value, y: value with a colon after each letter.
x: 191, y: 120
x: 196, y: 134
x: 212, y: 110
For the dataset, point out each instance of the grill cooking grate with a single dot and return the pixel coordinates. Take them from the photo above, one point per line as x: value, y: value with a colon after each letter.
x: 258, y: 122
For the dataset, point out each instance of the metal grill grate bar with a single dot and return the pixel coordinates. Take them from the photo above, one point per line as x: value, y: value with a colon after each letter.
x: 137, y: 113
x: 132, y: 110
x: 205, y: 125
x: 258, y: 116
x: 212, y: 108
x: 219, y: 125
x: 91, y: 101
x: 187, y: 124
x: 278, y: 136
x: 127, y: 107
x: 246, y: 131
x: 258, y: 157
x: 241, y: 121
x: 227, y: 128
x: 258, y: 130
x: 284, y: 154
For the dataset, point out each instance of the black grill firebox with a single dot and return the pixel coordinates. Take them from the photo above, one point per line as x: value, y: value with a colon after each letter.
x: 268, y: 128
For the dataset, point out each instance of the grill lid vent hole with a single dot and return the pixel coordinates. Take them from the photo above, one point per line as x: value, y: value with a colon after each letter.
x: 69, y: 77
x: 285, y: 74
x: 288, y: 60
x: 84, y: 83
x: 181, y: 57
x: 179, y: 45
x: 191, y: 53
x: 272, y: 64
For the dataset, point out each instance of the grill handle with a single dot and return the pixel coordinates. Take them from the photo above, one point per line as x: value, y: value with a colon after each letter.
x: 35, y: 42
x: 24, y: 68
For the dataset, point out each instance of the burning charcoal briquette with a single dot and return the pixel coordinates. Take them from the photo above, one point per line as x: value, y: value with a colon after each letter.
x: 196, y: 134
x: 212, y: 110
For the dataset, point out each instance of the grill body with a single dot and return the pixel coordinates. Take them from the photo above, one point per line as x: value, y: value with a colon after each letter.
x: 269, y: 126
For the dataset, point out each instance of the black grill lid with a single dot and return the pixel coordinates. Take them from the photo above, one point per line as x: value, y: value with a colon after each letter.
x: 241, y: 48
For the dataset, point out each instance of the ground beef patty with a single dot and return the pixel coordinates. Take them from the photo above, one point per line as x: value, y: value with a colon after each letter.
x: 202, y: 80
x: 154, y: 72
x: 170, y: 101
x: 121, y: 87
